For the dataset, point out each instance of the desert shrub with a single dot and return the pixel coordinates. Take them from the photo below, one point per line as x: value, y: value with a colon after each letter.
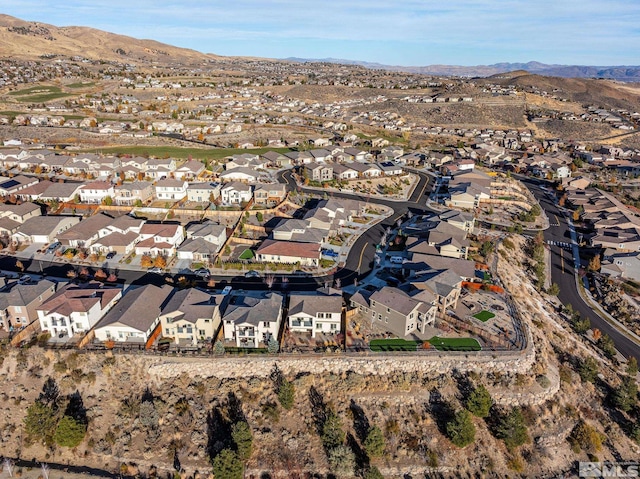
x: 585, y: 437
x: 70, y: 432
x: 243, y: 439
x: 374, y: 444
x: 460, y: 429
x: 227, y: 465
x: 332, y: 433
x: 479, y: 402
x: 342, y: 461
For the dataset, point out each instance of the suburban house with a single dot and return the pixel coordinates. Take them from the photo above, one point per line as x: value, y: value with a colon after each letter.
x: 203, y: 192
x: 83, y: 234
x: 159, y: 239
x: 621, y: 265
x: 443, y: 239
x: 18, y: 303
x: 170, y: 189
x: 276, y: 160
x: 191, y: 315
x: 20, y: 212
x: 269, y: 194
x: 318, y: 171
x: 43, y: 229
x: 368, y: 170
x: 96, y: 191
x: 235, y: 193
x: 243, y: 174
x: 11, y: 186
x: 119, y: 236
x: 315, y: 313
x: 291, y: 252
x: 190, y: 170
x: 290, y: 229
x: 390, y: 168
x: 344, y: 172
x: 393, y: 309
x: 251, y: 321
x: 48, y: 191
x: 76, y: 309
x: 131, y: 194
x: 158, y: 168
x: 204, y: 241
x: 134, y: 318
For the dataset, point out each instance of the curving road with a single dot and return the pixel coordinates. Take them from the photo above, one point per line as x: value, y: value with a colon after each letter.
x: 563, y: 271
x: 360, y: 260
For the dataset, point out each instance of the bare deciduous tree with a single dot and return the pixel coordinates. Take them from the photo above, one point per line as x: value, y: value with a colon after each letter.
x: 270, y: 280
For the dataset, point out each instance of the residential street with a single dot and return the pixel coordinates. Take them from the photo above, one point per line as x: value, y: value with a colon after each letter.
x: 563, y: 272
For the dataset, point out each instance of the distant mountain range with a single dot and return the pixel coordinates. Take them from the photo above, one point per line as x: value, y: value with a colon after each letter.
x: 624, y: 73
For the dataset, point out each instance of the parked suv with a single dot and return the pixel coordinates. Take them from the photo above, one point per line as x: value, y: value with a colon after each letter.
x: 53, y: 247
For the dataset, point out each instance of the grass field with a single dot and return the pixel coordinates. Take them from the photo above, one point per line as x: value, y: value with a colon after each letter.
x: 378, y: 345
x: 80, y: 85
x: 177, y: 152
x: 39, y: 94
x: 455, y: 344
x: 36, y: 89
x: 246, y: 254
x: 484, y: 315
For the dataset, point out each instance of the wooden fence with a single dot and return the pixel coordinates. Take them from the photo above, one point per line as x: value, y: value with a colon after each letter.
x: 26, y: 333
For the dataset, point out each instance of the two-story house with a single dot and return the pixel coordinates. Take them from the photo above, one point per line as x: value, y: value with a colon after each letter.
x: 18, y: 303
x: 204, y: 241
x: 189, y: 170
x: 235, y: 193
x: 159, y: 239
x: 192, y: 315
x: 170, y: 189
x: 96, y: 191
x: 75, y: 309
x: 393, y: 309
x: 132, y: 194
x: 203, y: 192
x: 317, y: 312
x: 269, y: 194
x: 251, y: 321
x: 318, y: 171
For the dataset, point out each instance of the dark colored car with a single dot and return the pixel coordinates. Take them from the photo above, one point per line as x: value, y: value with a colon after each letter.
x: 111, y: 254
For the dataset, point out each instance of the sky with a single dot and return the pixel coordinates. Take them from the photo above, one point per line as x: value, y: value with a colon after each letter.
x: 392, y: 32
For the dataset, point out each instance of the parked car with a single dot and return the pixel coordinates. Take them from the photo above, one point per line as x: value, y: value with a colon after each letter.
x: 396, y: 260
x: 202, y: 273
x: 155, y: 270
x: 24, y: 279
x: 227, y: 289
x: 252, y: 274
x: 53, y: 247
x: 111, y: 254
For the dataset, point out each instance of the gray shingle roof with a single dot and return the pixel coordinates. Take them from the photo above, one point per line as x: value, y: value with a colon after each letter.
x: 251, y: 310
x: 138, y: 308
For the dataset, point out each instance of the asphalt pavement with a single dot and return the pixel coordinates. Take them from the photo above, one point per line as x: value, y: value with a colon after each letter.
x: 563, y: 271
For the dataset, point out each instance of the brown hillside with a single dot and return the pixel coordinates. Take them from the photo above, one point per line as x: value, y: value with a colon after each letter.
x: 30, y: 40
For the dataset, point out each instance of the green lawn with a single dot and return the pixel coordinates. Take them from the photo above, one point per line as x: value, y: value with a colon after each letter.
x: 378, y: 345
x: 455, y: 344
x: 177, y: 152
x: 80, y: 85
x: 44, y: 97
x: 484, y: 315
x: 36, y: 89
x: 247, y: 254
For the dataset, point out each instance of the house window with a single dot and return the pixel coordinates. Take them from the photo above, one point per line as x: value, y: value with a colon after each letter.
x: 266, y: 324
x: 373, y: 314
x: 334, y: 327
x: 380, y: 317
x: 320, y: 315
x: 386, y: 319
x: 189, y: 330
x: 166, y: 331
x: 318, y: 326
x: 180, y: 329
x: 18, y: 309
x: 388, y: 310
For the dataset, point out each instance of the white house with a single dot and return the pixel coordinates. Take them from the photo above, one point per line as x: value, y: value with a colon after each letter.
x: 96, y: 192
x: 239, y: 174
x: 189, y: 170
x: 135, y: 316
x: 170, y: 189
x: 159, y: 239
x: 251, y: 321
x: 235, y: 193
x: 315, y: 313
x: 76, y: 309
x: 203, y: 192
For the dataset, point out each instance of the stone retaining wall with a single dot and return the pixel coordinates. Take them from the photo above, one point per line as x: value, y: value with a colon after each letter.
x: 245, y: 367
